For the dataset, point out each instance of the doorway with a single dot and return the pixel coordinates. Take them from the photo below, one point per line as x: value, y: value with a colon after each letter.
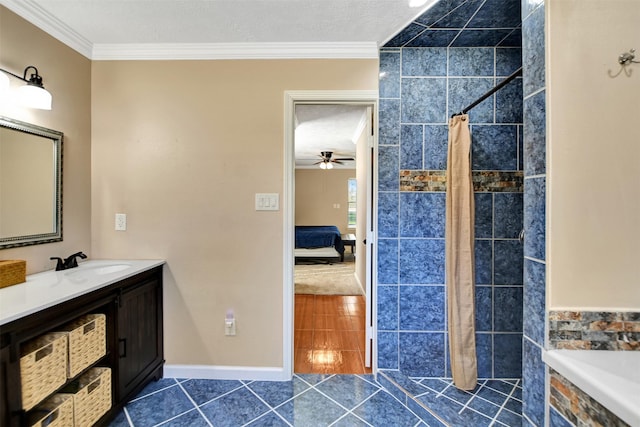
x: 331, y: 313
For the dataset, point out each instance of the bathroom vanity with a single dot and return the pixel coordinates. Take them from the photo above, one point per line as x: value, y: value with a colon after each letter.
x: 128, y: 294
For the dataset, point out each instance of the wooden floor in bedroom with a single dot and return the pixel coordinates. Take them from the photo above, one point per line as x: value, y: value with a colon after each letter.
x: 329, y: 335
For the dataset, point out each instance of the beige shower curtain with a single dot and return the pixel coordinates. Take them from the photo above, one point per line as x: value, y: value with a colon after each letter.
x: 460, y: 256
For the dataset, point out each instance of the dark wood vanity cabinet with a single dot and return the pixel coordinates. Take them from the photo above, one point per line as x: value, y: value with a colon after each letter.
x: 134, y: 334
x: 139, y: 333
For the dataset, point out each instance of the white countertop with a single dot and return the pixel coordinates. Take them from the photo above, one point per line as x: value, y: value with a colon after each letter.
x: 46, y: 289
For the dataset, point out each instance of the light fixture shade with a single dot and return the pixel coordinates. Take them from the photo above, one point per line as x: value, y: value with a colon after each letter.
x: 323, y: 165
x: 329, y: 165
x: 34, y: 97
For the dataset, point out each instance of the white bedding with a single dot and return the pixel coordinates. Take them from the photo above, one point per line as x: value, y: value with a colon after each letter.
x: 316, y: 253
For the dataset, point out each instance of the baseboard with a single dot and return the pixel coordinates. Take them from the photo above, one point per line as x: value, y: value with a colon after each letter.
x: 211, y: 372
x: 364, y: 292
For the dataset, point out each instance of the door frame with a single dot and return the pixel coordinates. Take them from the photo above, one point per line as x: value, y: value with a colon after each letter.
x: 291, y: 99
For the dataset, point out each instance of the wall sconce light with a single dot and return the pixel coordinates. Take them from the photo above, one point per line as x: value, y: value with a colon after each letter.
x: 32, y: 94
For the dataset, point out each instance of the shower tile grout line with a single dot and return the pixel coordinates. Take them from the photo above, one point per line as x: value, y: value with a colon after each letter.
x: 502, y: 407
x: 473, y: 395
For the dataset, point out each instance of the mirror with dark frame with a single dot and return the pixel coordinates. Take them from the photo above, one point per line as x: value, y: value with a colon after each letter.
x: 30, y: 184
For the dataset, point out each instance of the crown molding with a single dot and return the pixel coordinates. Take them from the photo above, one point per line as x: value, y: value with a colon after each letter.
x: 42, y: 19
x: 200, y: 51
x: 33, y: 13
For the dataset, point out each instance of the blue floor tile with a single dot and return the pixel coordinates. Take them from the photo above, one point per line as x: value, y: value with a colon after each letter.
x: 120, y: 420
x: 270, y: 419
x: 158, y: 407
x: 490, y: 403
x: 278, y: 392
x: 335, y: 388
x: 484, y: 406
x: 382, y: 409
x: 203, y: 391
x: 311, y: 409
x: 509, y: 418
x: 234, y: 409
x: 192, y: 418
x: 350, y: 420
x: 324, y: 400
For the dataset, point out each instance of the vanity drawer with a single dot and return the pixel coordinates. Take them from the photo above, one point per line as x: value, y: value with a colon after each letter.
x: 87, y: 342
x: 43, y: 367
x: 91, y: 396
x: 57, y: 411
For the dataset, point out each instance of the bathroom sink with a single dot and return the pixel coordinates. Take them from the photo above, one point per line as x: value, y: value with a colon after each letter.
x: 108, y: 269
x: 99, y: 270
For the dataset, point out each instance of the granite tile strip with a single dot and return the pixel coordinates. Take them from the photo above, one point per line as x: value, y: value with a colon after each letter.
x: 483, y: 181
x: 577, y: 406
x: 594, y: 330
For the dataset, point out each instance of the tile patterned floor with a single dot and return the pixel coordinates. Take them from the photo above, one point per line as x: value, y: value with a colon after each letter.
x: 491, y: 403
x: 308, y: 400
x: 329, y: 334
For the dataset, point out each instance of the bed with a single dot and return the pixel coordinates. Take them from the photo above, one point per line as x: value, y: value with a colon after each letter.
x: 318, y: 242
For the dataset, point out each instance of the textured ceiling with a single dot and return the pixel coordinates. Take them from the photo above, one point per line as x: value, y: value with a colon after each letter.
x: 125, y: 22
x: 117, y: 25
x: 332, y: 127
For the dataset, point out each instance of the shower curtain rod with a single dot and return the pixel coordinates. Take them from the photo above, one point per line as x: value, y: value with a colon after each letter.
x: 499, y: 86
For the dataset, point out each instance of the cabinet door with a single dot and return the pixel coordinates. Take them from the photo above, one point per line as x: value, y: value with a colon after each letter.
x: 139, y: 334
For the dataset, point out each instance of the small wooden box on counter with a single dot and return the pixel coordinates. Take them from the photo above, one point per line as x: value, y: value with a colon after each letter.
x: 12, y: 272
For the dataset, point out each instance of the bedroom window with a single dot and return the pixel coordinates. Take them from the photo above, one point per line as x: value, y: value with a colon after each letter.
x: 351, y: 203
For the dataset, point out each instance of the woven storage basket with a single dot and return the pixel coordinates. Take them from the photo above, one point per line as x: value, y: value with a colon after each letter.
x: 57, y: 411
x: 91, y: 394
x: 87, y: 342
x: 12, y: 272
x: 43, y: 367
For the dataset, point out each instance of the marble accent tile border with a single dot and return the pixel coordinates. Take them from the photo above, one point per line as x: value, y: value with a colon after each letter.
x: 483, y: 181
x: 577, y: 406
x: 594, y: 330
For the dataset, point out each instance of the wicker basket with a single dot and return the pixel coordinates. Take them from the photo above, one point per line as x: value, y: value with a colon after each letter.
x: 12, y: 272
x: 43, y: 367
x: 87, y: 342
x: 91, y: 396
x: 57, y: 411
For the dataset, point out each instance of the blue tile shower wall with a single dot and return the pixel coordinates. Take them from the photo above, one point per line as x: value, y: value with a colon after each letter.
x: 534, y: 371
x: 419, y: 90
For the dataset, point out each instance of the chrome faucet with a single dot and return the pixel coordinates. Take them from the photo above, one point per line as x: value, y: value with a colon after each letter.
x: 69, y: 262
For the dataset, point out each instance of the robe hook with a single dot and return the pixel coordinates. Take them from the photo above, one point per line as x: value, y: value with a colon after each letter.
x: 625, y: 59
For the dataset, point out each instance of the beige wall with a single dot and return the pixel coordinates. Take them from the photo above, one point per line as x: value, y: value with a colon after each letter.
x: 182, y: 147
x: 594, y: 156
x: 67, y: 75
x: 318, y: 192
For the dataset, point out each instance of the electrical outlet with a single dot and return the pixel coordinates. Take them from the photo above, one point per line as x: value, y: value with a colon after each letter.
x: 229, y: 326
x: 121, y: 222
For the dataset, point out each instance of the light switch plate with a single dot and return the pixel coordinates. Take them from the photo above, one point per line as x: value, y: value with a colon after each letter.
x: 121, y: 222
x: 267, y: 201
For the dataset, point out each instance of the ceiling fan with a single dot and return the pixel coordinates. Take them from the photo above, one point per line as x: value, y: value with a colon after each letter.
x: 327, y: 160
